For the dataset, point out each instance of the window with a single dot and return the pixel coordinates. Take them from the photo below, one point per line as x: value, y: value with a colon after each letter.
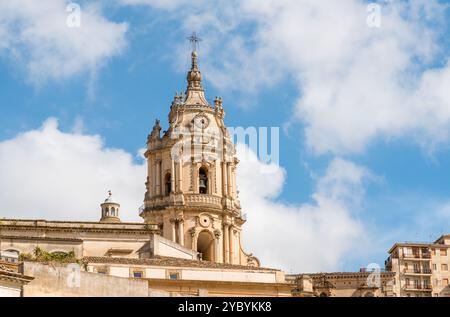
x: 173, y: 276
x: 433, y: 251
x: 444, y: 267
x: 434, y: 267
x: 113, y: 211
x: 445, y: 281
x: 443, y: 252
x: 203, y: 181
x: 168, y: 184
x: 138, y: 274
x: 407, y: 282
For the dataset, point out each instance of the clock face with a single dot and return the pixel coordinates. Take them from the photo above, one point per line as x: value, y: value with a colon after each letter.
x: 201, y: 121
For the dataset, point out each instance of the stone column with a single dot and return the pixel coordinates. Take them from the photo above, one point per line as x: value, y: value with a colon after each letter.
x: 231, y: 243
x: 180, y: 176
x: 153, y: 168
x: 224, y: 179
x: 195, y: 182
x: 217, y: 256
x: 181, y: 231
x: 172, y: 176
x: 149, y: 178
x: 216, y: 170
x: 174, y: 235
x: 233, y: 181
x: 158, y: 177
x: 192, y: 232
x: 229, y: 180
x: 226, y: 244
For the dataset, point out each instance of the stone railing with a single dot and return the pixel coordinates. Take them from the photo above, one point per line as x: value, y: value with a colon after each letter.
x: 158, y: 202
x: 202, y: 199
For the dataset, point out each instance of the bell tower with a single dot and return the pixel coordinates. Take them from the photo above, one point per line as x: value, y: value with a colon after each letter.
x: 110, y: 210
x: 191, y: 185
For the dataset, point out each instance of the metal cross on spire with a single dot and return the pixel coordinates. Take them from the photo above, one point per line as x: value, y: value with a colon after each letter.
x: 195, y: 40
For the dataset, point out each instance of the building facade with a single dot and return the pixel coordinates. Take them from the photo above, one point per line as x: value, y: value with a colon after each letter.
x: 343, y: 284
x: 421, y: 269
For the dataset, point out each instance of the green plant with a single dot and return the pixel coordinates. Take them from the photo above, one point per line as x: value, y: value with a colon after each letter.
x: 41, y: 255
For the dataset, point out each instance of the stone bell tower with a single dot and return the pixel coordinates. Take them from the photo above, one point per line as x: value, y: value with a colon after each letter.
x: 110, y: 210
x: 191, y: 184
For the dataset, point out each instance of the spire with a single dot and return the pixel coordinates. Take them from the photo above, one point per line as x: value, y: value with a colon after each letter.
x: 194, y: 76
x: 195, y: 95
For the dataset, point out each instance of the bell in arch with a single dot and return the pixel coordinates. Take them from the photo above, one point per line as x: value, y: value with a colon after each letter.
x: 203, y: 182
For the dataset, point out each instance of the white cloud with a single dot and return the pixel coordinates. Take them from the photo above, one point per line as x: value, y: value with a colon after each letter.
x: 49, y: 174
x: 356, y: 84
x: 318, y: 236
x: 36, y: 36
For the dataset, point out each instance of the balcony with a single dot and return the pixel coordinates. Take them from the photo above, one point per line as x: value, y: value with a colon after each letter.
x: 417, y: 288
x: 417, y: 272
x: 417, y: 256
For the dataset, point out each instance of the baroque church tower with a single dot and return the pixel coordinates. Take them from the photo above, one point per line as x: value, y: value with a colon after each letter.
x: 191, y: 185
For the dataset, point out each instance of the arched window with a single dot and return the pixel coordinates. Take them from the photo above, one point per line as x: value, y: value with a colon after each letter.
x: 205, y: 245
x: 113, y: 211
x: 107, y: 211
x: 203, y: 181
x: 168, y: 184
x: 323, y: 294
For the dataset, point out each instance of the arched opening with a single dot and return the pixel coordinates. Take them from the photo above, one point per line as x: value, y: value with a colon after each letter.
x: 168, y: 184
x: 107, y: 211
x: 323, y: 294
x: 113, y: 211
x: 369, y: 294
x: 205, y: 245
x: 203, y: 181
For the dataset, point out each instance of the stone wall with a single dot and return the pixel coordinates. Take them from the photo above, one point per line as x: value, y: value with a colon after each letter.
x: 69, y: 280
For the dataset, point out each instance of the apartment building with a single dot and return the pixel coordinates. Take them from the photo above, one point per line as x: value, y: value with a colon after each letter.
x: 422, y: 269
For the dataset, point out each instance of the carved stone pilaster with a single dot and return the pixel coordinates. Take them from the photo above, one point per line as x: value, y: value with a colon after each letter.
x: 192, y: 232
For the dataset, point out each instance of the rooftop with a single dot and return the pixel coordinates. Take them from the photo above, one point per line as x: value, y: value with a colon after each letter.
x: 173, y: 262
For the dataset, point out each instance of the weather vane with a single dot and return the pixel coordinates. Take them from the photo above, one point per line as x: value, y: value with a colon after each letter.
x: 195, y: 40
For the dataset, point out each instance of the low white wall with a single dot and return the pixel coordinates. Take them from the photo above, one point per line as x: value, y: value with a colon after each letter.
x: 7, y: 290
x: 228, y: 276
x: 165, y: 247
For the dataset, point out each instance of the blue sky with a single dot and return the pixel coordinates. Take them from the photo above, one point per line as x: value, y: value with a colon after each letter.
x: 276, y: 65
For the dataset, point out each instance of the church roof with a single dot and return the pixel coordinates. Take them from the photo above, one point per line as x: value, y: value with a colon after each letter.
x: 174, y: 262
